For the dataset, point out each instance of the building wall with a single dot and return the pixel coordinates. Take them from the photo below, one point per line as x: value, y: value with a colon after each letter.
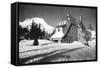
x: 72, y: 35
x: 70, y: 30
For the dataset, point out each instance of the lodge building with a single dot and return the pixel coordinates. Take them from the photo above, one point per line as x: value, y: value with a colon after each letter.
x: 69, y: 30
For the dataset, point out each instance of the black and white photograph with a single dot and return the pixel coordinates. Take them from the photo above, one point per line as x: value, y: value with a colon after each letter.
x: 52, y: 33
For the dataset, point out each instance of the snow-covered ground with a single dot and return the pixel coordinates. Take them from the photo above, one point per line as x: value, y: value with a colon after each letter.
x: 48, y: 51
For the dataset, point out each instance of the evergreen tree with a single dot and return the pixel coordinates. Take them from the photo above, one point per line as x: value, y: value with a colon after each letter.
x: 23, y: 32
x: 36, y: 33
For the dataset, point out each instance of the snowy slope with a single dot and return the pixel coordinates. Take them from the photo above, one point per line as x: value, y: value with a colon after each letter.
x: 43, y: 25
x: 54, y: 52
x: 26, y: 48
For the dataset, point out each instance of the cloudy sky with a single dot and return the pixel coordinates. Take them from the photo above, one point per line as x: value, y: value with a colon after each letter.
x: 53, y: 14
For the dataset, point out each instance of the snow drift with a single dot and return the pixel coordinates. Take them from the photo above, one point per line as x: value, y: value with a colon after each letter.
x: 54, y: 52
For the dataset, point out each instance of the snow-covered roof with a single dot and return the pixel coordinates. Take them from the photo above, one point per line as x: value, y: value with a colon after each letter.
x: 58, y: 34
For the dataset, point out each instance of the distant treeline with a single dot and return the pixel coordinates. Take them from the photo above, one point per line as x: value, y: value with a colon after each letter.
x: 34, y: 33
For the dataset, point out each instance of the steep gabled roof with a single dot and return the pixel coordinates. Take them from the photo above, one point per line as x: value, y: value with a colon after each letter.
x: 71, y: 22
